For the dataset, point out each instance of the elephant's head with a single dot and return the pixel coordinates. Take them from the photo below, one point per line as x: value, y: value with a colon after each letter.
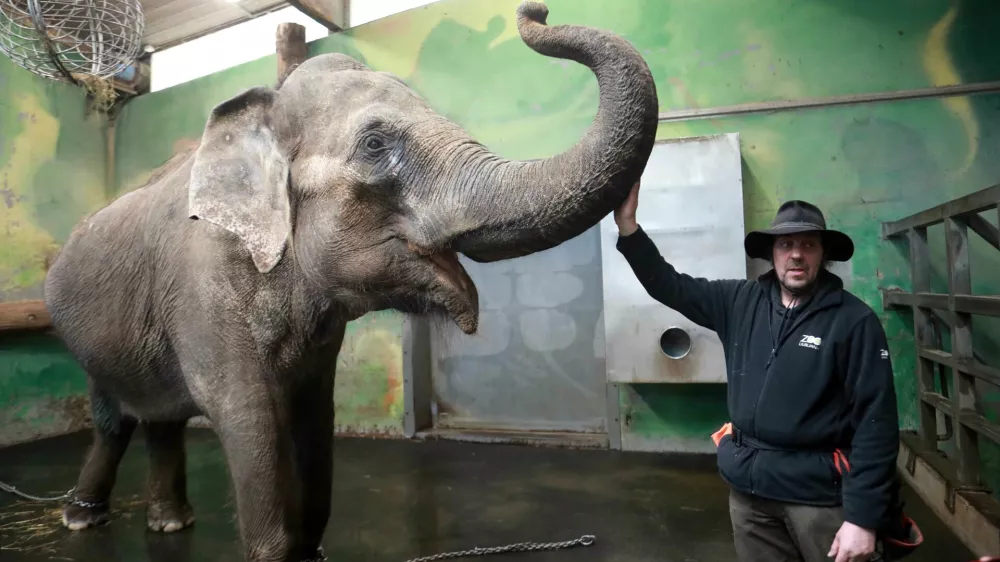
x: 348, y: 175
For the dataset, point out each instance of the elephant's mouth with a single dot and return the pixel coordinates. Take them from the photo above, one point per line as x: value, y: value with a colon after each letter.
x: 455, y: 290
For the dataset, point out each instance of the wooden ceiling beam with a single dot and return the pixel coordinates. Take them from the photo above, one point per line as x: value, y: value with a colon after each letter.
x: 330, y: 13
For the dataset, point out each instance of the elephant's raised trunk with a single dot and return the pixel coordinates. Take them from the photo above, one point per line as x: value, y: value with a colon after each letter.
x: 526, y: 207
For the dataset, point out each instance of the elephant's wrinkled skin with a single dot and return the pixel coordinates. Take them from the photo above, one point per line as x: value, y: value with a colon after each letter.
x: 337, y: 194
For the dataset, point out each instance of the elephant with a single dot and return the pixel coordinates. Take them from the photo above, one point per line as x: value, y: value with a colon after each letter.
x: 222, y: 286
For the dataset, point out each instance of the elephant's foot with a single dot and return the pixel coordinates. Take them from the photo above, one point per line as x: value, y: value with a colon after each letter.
x: 168, y: 517
x: 82, y: 514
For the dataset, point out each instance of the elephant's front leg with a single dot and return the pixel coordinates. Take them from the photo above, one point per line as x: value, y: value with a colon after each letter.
x: 168, y: 509
x: 312, y: 429
x: 252, y: 423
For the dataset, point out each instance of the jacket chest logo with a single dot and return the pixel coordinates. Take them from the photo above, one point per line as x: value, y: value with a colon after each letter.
x: 812, y: 342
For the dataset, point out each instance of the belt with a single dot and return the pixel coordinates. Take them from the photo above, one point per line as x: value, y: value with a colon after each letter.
x: 742, y: 439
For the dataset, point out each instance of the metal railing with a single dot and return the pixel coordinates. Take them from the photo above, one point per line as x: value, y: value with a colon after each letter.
x: 960, y: 404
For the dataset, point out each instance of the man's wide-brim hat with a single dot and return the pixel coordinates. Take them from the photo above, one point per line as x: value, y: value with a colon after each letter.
x: 794, y: 217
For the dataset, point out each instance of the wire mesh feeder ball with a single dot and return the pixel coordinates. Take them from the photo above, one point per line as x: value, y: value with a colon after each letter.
x: 74, y: 41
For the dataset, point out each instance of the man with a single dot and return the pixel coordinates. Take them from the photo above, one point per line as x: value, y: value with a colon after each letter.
x: 810, y: 455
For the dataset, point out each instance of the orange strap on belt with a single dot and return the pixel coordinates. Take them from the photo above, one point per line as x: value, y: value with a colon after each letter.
x: 726, y: 429
x: 840, y: 461
x: 839, y: 458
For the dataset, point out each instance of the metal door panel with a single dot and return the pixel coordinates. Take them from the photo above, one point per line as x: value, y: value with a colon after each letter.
x: 691, y: 206
x: 536, y: 363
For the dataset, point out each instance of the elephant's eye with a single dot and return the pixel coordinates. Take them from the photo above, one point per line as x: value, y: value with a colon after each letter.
x: 374, y: 144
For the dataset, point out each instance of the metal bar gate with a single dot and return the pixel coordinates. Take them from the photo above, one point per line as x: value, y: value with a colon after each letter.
x: 960, y: 404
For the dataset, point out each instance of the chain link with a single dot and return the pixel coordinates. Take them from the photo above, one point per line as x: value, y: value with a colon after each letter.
x: 16, y: 492
x: 585, y: 540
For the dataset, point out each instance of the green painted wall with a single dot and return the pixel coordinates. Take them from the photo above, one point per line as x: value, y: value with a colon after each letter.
x: 42, y: 388
x: 52, y: 171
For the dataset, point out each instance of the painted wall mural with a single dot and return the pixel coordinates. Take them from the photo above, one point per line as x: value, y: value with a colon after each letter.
x: 52, y: 171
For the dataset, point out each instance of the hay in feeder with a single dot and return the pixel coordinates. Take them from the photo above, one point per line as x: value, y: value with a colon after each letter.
x: 100, y: 90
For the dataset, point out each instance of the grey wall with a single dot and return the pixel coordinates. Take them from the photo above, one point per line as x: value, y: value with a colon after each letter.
x: 538, y: 361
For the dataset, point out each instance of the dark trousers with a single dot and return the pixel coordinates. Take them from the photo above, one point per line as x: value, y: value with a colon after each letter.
x: 770, y: 531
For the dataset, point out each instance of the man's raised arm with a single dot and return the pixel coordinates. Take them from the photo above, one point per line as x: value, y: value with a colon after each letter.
x: 706, y: 303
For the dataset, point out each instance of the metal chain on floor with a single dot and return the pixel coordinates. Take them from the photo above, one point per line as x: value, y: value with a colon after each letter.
x: 585, y: 540
x: 8, y: 488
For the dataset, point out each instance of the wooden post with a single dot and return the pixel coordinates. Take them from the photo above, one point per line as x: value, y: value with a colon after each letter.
x: 920, y: 257
x: 20, y: 316
x: 964, y: 400
x: 290, y: 45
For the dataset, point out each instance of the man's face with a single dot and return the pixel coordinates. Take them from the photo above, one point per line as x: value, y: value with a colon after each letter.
x: 797, y: 259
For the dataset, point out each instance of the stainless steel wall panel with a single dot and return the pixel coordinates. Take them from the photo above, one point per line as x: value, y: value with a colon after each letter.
x: 691, y: 205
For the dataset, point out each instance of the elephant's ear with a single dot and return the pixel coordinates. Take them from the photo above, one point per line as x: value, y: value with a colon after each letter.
x: 240, y: 177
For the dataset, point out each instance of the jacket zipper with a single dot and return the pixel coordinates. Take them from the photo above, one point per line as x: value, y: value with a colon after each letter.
x: 763, y: 385
x: 767, y: 368
x: 767, y: 372
x: 775, y: 344
x: 783, y: 336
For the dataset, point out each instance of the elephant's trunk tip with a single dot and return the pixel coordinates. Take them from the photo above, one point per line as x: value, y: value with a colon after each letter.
x: 533, y: 12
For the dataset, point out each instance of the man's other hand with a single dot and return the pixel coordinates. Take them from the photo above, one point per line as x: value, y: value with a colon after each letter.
x: 852, y: 544
x: 625, y: 214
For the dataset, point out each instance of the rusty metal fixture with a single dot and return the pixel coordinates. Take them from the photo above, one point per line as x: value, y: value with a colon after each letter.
x: 74, y: 41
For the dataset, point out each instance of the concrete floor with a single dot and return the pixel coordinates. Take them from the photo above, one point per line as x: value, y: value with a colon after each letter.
x: 397, y: 500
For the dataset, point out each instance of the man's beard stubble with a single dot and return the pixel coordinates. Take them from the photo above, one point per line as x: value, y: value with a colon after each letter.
x: 804, y: 289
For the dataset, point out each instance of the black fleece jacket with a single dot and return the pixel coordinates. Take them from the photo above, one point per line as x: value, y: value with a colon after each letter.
x: 808, y: 388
